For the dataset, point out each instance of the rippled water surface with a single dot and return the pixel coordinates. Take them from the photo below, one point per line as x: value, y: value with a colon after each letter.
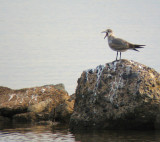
x: 61, y: 133
x: 36, y: 133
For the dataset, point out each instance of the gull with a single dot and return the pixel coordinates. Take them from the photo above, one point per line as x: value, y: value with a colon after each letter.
x: 118, y: 44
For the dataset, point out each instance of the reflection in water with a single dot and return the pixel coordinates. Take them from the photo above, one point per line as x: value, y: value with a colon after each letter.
x: 118, y: 136
x: 60, y: 132
x: 36, y: 133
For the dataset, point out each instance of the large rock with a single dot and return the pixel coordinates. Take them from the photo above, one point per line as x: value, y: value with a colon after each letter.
x: 35, y: 104
x: 119, y: 95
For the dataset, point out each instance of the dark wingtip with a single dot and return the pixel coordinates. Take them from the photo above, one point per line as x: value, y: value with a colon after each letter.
x: 136, y: 50
x: 139, y: 46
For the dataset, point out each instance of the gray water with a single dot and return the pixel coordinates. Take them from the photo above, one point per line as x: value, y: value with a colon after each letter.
x: 53, y: 41
x: 61, y: 133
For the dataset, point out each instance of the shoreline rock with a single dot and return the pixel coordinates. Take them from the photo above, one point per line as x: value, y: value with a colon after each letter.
x: 35, y: 104
x: 119, y: 95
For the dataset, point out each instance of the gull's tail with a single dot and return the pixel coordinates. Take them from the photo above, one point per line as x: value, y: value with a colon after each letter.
x: 135, y: 46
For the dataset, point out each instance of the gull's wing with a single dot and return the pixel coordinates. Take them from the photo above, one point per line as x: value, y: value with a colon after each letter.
x: 119, y: 44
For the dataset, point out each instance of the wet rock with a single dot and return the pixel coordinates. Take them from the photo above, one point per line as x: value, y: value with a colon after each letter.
x: 64, y: 111
x: 25, y: 117
x: 4, y: 122
x: 4, y: 119
x: 119, y: 95
x: 34, y: 104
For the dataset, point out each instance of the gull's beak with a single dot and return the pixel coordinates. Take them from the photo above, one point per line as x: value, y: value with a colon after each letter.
x: 106, y: 34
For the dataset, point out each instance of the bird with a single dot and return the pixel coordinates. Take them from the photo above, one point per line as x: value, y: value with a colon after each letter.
x: 118, y: 44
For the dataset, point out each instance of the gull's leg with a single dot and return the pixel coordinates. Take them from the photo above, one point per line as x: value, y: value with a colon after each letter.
x: 120, y: 55
x: 117, y: 56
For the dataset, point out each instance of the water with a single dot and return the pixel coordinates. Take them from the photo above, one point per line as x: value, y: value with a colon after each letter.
x: 50, y: 42
x: 61, y: 133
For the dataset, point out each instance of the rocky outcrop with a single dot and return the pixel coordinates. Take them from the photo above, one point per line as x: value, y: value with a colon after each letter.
x: 119, y: 95
x: 36, y: 104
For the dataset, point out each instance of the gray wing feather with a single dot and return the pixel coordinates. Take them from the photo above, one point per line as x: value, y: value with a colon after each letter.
x: 119, y: 43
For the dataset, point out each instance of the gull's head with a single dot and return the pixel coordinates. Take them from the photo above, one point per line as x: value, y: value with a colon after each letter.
x: 108, y: 32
